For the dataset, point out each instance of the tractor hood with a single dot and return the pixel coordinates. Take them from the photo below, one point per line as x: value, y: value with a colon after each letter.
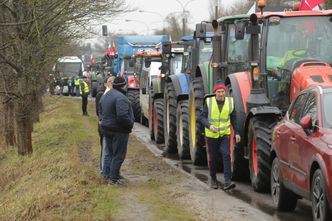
x: 308, y: 74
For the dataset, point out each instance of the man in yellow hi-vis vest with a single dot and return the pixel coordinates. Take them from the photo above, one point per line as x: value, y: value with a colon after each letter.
x: 217, y: 116
x: 84, y: 92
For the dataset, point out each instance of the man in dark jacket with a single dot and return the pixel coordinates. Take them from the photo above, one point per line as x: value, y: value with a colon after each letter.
x: 117, y: 121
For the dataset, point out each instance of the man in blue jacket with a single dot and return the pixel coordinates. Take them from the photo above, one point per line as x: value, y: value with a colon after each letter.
x: 117, y: 121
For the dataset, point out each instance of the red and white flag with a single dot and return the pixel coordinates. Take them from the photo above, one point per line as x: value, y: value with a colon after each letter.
x: 92, y: 61
x: 109, y: 50
x: 310, y: 4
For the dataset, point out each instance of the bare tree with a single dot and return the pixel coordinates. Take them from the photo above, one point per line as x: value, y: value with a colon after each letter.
x: 33, y: 34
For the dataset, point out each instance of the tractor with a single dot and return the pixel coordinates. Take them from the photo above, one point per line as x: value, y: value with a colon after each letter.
x: 265, y: 60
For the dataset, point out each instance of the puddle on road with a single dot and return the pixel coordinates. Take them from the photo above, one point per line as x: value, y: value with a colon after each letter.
x: 195, y: 171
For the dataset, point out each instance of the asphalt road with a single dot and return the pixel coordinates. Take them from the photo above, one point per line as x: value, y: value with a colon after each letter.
x: 243, y: 191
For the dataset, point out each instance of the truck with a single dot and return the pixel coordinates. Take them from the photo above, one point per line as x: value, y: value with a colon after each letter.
x: 65, y: 71
x: 265, y: 60
x: 127, y: 46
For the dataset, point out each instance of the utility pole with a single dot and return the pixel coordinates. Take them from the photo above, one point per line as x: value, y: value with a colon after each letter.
x: 184, y: 15
x: 216, y: 3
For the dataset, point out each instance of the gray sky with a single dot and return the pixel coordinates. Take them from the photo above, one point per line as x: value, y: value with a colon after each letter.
x: 157, y: 10
x: 144, y: 23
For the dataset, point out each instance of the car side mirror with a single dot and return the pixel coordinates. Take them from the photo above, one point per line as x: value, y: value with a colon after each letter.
x: 306, y: 123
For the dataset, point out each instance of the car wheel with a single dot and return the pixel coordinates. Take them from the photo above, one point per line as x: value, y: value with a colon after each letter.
x: 283, y: 199
x: 320, y: 205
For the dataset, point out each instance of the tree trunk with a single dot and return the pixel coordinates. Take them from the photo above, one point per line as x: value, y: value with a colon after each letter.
x: 9, y: 119
x: 24, y: 130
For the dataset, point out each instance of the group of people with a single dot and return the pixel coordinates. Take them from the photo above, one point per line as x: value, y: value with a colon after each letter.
x: 116, y: 120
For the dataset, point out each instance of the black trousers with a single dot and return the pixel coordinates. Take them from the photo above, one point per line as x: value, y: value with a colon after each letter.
x: 84, y: 105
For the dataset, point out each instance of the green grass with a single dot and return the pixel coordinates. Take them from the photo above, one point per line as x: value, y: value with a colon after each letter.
x: 57, y: 183
x: 52, y: 183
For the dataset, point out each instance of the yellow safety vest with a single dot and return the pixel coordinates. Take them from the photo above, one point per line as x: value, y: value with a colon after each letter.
x: 77, y: 82
x: 221, y: 120
x: 86, y: 87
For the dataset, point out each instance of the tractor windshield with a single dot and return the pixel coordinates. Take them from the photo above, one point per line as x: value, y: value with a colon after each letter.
x: 291, y: 41
x: 176, y: 63
x: 129, y: 66
x: 302, y: 38
x: 205, y: 51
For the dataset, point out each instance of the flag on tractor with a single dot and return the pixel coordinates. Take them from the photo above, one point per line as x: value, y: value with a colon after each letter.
x: 310, y: 4
x: 92, y: 61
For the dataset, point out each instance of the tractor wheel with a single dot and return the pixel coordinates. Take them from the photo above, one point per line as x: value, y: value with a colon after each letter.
x: 182, y: 131
x: 283, y: 199
x: 150, y: 120
x: 133, y: 96
x: 196, y: 130
x: 259, y: 144
x: 158, y: 124
x: 170, y: 119
x: 240, y: 171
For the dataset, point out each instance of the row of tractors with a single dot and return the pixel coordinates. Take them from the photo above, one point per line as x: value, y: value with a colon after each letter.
x: 265, y: 60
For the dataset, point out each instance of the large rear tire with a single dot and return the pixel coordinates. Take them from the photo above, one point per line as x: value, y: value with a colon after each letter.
x: 158, y: 124
x: 196, y: 130
x: 133, y: 96
x: 183, y: 130
x: 259, y: 144
x: 170, y: 119
x: 150, y: 120
x: 240, y: 168
x: 283, y: 199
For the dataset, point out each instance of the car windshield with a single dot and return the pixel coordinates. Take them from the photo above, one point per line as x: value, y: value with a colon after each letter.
x: 305, y: 37
x: 327, y: 107
x: 68, y: 69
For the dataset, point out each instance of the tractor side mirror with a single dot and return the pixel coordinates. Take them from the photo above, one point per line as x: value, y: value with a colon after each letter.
x: 167, y: 47
x: 147, y: 62
x: 200, y: 30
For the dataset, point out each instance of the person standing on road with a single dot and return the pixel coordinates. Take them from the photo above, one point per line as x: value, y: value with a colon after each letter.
x: 105, y: 160
x: 117, y: 121
x: 217, y: 116
x: 77, y: 86
x: 84, y: 92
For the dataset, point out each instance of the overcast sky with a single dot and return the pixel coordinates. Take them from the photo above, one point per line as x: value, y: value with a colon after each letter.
x: 145, y: 22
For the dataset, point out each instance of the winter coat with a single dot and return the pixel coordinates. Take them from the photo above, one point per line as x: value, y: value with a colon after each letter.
x: 116, y: 112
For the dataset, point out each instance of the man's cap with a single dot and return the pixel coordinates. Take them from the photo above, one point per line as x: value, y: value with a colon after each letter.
x: 219, y: 86
x: 119, y: 81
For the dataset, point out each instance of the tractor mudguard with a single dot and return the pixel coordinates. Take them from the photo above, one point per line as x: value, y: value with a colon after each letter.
x: 181, y: 85
x: 157, y: 91
x: 200, y: 71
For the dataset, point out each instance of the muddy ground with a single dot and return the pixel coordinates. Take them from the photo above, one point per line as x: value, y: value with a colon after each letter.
x: 178, y: 187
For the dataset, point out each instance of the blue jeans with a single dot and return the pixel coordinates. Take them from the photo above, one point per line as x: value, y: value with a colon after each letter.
x: 105, y: 159
x: 216, y: 146
x: 117, y: 146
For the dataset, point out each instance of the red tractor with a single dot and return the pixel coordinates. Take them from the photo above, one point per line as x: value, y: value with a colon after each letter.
x: 265, y: 60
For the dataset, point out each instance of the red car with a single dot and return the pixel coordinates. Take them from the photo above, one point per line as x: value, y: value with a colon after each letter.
x: 301, y: 154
